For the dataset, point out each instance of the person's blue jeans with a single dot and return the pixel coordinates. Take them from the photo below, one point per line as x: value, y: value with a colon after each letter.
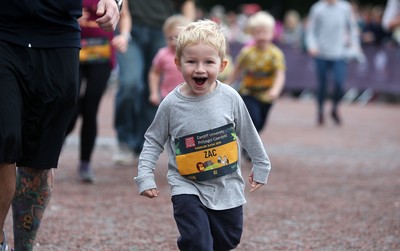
x: 133, y: 112
x: 323, y: 68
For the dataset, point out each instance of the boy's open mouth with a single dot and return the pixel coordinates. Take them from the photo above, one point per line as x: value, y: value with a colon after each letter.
x: 199, y: 80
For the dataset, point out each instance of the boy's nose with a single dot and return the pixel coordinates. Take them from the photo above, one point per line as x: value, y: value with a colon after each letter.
x: 200, y: 68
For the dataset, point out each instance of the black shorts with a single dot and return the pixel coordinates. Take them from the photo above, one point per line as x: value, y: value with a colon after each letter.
x: 38, y: 93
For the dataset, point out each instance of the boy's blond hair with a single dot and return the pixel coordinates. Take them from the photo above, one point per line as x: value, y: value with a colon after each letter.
x: 260, y: 19
x: 175, y: 22
x: 202, y: 31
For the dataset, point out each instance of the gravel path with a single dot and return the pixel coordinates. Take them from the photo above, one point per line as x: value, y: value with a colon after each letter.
x: 331, y: 188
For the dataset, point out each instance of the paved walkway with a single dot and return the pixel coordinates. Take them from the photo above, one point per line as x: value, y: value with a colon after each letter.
x: 331, y: 188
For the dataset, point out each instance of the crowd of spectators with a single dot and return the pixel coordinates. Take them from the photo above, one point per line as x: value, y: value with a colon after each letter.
x: 290, y: 28
x: 375, y: 42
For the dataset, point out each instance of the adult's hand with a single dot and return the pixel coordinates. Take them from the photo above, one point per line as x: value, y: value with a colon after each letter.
x: 108, y: 13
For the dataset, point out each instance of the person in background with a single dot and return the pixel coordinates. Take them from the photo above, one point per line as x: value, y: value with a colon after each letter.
x: 163, y: 75
x: 391, y: 19
x: 200, y: 122
x: 292, y: 30
x: 260, y: 67
x: 39, y: 55
x: 133, y: 110
x: 331, y: 31
x: 223, y: 76
x: 373, y: 32
x: 96, y: 62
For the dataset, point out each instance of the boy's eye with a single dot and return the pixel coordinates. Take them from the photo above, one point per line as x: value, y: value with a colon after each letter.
x: 191, y: 61
x: 172, y: 38
x: 209, y: 62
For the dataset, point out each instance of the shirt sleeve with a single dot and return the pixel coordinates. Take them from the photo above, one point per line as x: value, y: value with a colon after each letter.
x: 252, y: 143
x: 391, y: 10
x: 311, y: 40
x: 279, y: 60
x: 157, y: 60
x: 155, y: 138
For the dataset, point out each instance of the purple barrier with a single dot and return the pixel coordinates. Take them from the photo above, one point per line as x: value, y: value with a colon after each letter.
x: 380, y: 72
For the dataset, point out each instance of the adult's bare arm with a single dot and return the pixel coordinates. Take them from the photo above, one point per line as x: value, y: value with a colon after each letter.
x: 188, y: 9
x: 121, y: 40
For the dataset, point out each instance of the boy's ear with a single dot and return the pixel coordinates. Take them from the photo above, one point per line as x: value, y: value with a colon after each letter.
x: 178, y: 64
x: 223, y: 65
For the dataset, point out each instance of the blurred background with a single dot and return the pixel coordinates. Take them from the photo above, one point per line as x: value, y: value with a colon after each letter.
x: 276, y: 7
x: 330, y: 188
x: 372, y: 74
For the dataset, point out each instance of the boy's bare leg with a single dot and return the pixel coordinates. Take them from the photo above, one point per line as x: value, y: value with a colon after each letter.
x: 33, y: 193
x: 7, y: 190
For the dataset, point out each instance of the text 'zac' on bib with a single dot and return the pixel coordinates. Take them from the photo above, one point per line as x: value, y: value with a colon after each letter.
x: 207, y: 155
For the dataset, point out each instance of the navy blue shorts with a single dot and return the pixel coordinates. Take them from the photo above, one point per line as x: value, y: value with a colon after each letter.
x: 38, y: 93
x: 202, y: 228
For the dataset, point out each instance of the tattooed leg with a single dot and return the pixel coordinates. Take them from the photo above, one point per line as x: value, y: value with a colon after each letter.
x: 7, y: 189
x: 32, y: 195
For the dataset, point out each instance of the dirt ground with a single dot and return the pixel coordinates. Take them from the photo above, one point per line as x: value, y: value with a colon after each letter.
x: 330, y: 188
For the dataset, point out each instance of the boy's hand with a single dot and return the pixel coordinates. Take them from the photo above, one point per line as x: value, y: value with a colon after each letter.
x: 150, y: 193
x: 272, y: 94
x: 254, y: 184
x: 120, y: 43
x: 313, y: 52
x: 154, y: 99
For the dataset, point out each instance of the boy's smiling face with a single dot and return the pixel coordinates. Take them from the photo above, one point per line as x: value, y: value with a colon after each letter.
x: 262, y: 35
x: 200, y: 65
x: 170, y: 37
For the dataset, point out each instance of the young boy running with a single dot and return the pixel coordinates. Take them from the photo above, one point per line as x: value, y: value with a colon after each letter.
x: 202, y: 121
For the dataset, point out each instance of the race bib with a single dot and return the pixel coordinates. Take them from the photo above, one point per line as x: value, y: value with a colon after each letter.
x: 207, y: 155
x: 95, y: 50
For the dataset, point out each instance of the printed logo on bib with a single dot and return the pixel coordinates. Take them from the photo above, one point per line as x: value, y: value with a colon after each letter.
x: 207, y: 155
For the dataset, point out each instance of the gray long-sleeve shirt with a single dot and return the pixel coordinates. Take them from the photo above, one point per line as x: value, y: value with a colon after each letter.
x: 331, y: 29
x: 178, y: 116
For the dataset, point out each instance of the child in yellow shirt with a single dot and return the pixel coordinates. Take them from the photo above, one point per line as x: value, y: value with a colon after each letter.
x: 261, y: 69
